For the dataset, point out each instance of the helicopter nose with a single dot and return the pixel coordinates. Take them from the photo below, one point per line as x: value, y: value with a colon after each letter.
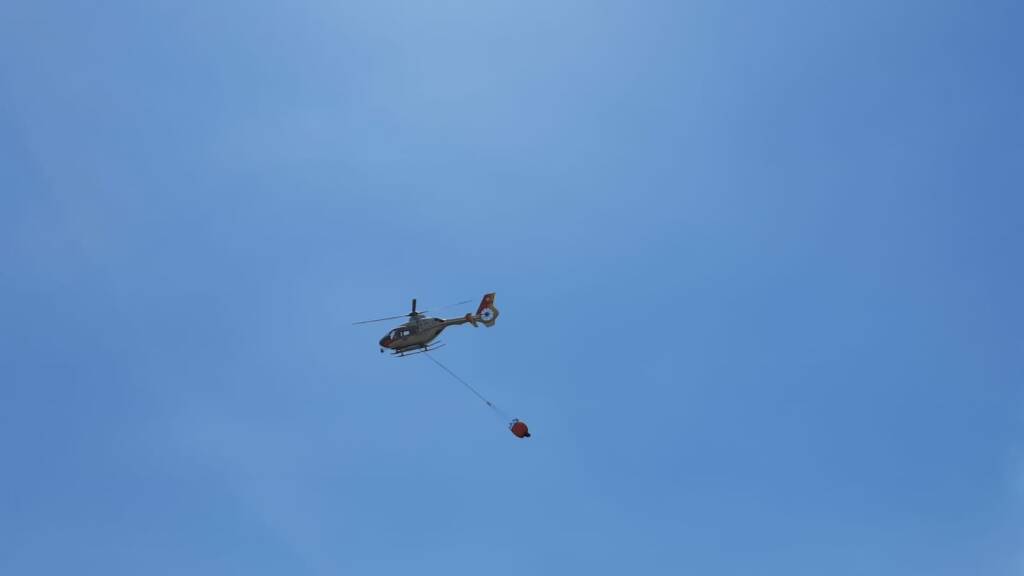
x: 384, y: 342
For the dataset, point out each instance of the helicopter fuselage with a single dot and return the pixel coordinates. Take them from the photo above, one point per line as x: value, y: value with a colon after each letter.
x: 418, y: 333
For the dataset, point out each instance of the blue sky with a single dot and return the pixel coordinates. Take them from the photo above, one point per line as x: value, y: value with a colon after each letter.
x: 759, y: 268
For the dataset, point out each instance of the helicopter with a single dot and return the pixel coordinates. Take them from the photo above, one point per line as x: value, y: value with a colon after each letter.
x: 419, y: 333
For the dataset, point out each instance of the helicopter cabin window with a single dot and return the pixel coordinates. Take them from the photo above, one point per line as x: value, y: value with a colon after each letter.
x: 399, y: 333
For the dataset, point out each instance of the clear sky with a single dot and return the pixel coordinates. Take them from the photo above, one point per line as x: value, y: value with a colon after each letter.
x: 759, y: 266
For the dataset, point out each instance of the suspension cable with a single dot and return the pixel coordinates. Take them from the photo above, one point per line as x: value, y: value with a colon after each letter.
x: 466, y: 384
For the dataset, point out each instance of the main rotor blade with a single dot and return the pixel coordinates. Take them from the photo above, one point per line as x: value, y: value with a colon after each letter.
x: 445, y: 307
x: 380, y: 319
x: 415, y: 312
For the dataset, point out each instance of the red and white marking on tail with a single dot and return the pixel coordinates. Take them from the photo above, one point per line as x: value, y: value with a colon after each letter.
x: 486, y: 312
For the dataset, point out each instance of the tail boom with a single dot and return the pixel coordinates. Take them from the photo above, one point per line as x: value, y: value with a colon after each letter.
x: 486, y: 314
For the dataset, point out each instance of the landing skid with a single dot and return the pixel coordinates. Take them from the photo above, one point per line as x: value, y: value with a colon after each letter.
x: 419, y: 350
